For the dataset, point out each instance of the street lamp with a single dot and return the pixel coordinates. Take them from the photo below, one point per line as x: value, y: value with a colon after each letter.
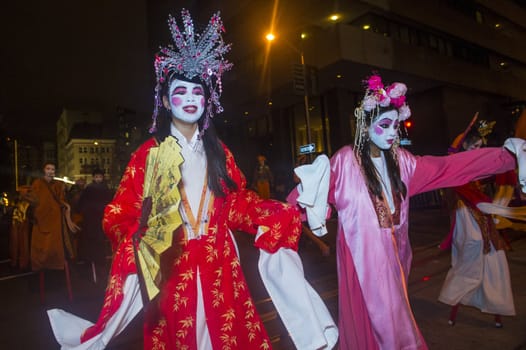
x: 271, y: 37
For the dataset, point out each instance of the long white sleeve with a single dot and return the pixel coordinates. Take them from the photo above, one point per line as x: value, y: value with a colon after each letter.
x: 313, y: 192
x: 518, y: 147
x: 301, y: 309
x: 68, y: 328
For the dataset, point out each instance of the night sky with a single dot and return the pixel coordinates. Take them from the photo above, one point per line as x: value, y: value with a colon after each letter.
x: 84, y: 55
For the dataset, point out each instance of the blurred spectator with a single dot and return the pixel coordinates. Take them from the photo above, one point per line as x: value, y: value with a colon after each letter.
x: 50, y: 240
x: 93, y: 245
x: 263, y: 179
x: 19, y: 232
x: 73, y: 197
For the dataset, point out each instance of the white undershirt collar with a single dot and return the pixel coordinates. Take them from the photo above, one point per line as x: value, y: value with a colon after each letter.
x: 195, y: 143
x: 381, y: 168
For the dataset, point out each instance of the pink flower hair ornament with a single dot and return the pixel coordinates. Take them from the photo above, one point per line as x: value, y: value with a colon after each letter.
x: 377, y: 95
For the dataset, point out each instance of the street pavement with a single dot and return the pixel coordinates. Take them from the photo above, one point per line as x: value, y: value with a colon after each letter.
x: 24, y: 323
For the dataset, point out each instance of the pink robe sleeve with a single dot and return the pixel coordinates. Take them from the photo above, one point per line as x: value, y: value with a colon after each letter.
x: 457, y: 169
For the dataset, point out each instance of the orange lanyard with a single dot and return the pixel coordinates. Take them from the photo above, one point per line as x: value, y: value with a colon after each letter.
x: 193, y: 225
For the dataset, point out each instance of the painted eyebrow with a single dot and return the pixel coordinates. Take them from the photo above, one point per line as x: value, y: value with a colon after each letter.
x: 385, y: 120
x: 179, y: 87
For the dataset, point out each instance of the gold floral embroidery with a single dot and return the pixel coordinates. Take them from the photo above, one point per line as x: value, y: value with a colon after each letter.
x: 120, y: 190
x: 212, y: 230
x: 186, y: 325
x: 179, y: 302
x: 129, y: 253
x: 277, y: 227
x: 226, y: 249
x: 229, y: 315
x: 181, y: 286
x: 237, y: 287
x: 158, y: 333
x: 188, y: 275
x: 249, y: 305
x: 212, y: 253
x: 229, y: 342
x: 265, y: 345
x: 219, y: 297
x: 114, y: 209
x: 131, y: 171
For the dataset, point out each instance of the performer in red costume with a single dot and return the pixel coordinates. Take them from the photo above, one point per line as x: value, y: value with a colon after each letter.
x: 479, y: 275
x: 200, y: 298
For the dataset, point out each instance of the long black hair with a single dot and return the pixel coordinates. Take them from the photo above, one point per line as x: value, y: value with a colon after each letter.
x: 215, y: 154
x: 372, y: 178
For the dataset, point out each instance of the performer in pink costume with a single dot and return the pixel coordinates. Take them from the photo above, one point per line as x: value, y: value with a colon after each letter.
x: 370, y: 185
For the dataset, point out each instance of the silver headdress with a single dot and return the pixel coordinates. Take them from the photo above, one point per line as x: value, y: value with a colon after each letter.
x: 376, y: 96
x: 194, y: 55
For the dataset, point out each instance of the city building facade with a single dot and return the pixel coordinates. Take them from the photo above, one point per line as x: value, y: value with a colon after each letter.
x: 84, y: 155
x: 457, y: 57
x: 68, y: 119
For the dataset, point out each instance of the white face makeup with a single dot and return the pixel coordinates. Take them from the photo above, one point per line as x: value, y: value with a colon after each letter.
x: 384, y: 130
x: 187, y: 100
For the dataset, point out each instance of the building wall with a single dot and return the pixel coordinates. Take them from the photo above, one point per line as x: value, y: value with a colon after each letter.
x: 83, y: 156
x: 68, y: 118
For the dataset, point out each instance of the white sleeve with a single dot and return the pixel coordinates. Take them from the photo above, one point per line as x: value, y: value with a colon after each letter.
x: 503, y: 195
x: 68, y: 328
x: 518, y: 147
x: 301, y: 309
x: 313, y: 192
x: 515, y: 213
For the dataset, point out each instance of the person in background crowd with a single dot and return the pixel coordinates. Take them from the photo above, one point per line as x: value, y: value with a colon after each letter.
x: 263, y: 179
x: 51, y: 243
x: 93, y: 244
x: 19, y: 233
x: 72, y: 197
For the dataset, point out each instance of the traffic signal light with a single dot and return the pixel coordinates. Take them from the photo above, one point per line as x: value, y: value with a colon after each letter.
x: 404, y: 133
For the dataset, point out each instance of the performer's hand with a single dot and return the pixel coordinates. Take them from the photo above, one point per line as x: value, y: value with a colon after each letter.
x: 73, y: 227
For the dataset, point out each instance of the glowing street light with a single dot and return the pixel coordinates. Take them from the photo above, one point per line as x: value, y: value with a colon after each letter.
x: 271, y: 37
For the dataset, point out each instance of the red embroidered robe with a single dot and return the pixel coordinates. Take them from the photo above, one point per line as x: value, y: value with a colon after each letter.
x: 231, y: 315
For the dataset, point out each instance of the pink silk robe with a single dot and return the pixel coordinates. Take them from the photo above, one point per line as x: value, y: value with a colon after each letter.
x: 374, y: 262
